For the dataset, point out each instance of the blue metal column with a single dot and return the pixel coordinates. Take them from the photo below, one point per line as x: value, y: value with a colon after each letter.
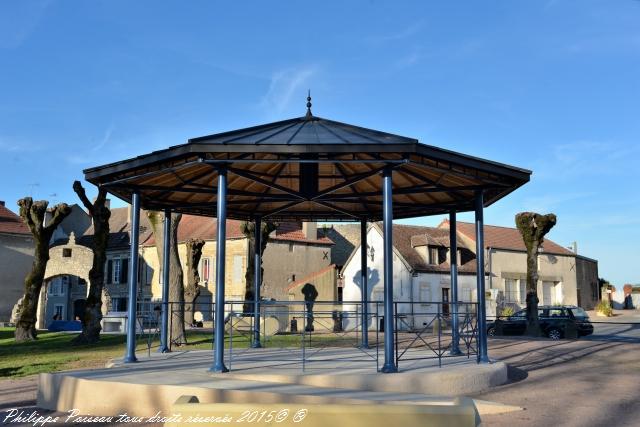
x: 130, y: 355
x: 482, y: 308
x: 221, y: 240
x: 166, y: 247
x: 453, y: 259
x: 364, y: 286
x: 387, y: 225
x: 257, y: 281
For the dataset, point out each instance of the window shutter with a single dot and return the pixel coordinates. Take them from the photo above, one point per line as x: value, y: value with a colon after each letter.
x: 109, y: 272
x: 124, y: 271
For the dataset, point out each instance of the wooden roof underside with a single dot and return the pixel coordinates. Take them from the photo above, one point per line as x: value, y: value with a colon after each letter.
x: 340, y: 182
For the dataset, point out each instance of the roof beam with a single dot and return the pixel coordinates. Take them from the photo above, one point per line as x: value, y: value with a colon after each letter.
x: 264, y: 182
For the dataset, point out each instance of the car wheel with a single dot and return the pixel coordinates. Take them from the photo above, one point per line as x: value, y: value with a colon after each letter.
x: 491, y: 332
x: 554, y: 334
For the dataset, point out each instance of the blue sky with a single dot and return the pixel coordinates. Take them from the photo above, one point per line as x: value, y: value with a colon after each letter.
x: 552, y: 86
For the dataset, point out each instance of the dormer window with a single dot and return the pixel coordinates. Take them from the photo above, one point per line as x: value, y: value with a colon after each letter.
x: 433, y: 255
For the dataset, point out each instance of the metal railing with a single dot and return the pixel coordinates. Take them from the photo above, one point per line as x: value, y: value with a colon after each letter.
x: 302, y: 330
x: 427, y: 330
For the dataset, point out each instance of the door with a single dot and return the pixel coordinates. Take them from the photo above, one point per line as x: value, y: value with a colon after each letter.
x: 547, y: 289
x: 445, y: 301
x: 78, y: 309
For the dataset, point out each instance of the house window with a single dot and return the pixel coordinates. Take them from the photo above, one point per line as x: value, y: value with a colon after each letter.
x: 433, y: 256
x: 425, y: 293
x: 56, y: 288
x: 141, y: 269
x: 119, y: 304
x: 237, y: 268
x: 205, y: 269
x: 149, y: 274
x: 66, y: 253
x: 119, y: 270
x: 117, y: 266
x: 511, y: 290
x: 58, y: 311
x: 109, y: 271
x: 523, y: 291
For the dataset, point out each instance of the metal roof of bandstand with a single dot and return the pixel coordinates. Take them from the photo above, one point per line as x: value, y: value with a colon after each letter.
x: 308, y: 168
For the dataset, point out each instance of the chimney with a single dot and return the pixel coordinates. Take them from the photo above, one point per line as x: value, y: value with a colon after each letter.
x: 1, y: 202
x: 310, y: 230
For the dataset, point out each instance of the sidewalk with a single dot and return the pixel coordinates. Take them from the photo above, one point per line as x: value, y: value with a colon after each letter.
x: 621, y: 316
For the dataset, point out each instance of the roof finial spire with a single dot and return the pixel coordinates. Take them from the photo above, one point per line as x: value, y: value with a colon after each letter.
x: 309, y: 105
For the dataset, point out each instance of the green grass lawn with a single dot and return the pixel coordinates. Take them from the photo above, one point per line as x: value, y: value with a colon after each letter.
x: 53, y: 351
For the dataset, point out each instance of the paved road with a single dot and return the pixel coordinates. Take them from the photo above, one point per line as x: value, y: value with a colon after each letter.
x: 617, y: 332
x: 583, y: 383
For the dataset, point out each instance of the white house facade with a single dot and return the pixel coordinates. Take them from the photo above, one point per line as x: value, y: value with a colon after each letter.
x: 422, y: 283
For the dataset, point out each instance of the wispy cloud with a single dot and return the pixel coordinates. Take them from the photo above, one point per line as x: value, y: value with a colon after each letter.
x: 284, y: 84
x: 409, y: 60
x: 18, y: 146
x: 16, y: 26
x: 548, y: 202
x: 605, y: 44
x: 587, y: 158
x: 401, y: 34
x: 105, y: 139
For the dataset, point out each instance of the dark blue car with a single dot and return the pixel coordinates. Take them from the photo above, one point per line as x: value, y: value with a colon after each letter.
x: 553, y: 322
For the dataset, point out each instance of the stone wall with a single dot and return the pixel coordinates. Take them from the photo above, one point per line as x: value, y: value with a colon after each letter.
x: 69, y: 259
x: 16, y: 257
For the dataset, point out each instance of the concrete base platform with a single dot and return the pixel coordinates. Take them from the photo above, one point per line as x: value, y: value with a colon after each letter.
x: 262, y: 376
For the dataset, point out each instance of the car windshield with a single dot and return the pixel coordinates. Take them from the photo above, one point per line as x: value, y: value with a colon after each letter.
x: 519, y: 315
x: 579, y: 313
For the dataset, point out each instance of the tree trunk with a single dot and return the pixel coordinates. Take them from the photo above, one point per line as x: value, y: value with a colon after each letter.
x: 33, y: 214
x: 533, y: 323
x: 248, y: 229
x: 177, y: 333
x: 192, y: 290
x: 533, y: 227
x: 100, y: 215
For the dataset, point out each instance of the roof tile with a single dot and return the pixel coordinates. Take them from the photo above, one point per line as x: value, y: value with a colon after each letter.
x: 11, y: 223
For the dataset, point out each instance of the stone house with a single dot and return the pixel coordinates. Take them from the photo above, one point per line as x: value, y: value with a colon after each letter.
x: 421, y: 272
x: 16, y: 257
x: 564, y: 277
x: 294, y: 251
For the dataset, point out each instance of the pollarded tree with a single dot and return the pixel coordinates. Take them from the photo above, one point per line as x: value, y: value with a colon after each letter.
x: 248, y: 229
x: 33, y: 214
x: 533, y: 227
x: 100, y: 215
x: 192, y: 290
x: 176, y: 279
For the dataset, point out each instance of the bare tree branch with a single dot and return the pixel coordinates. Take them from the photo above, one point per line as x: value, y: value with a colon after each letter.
x: 82, y: 195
